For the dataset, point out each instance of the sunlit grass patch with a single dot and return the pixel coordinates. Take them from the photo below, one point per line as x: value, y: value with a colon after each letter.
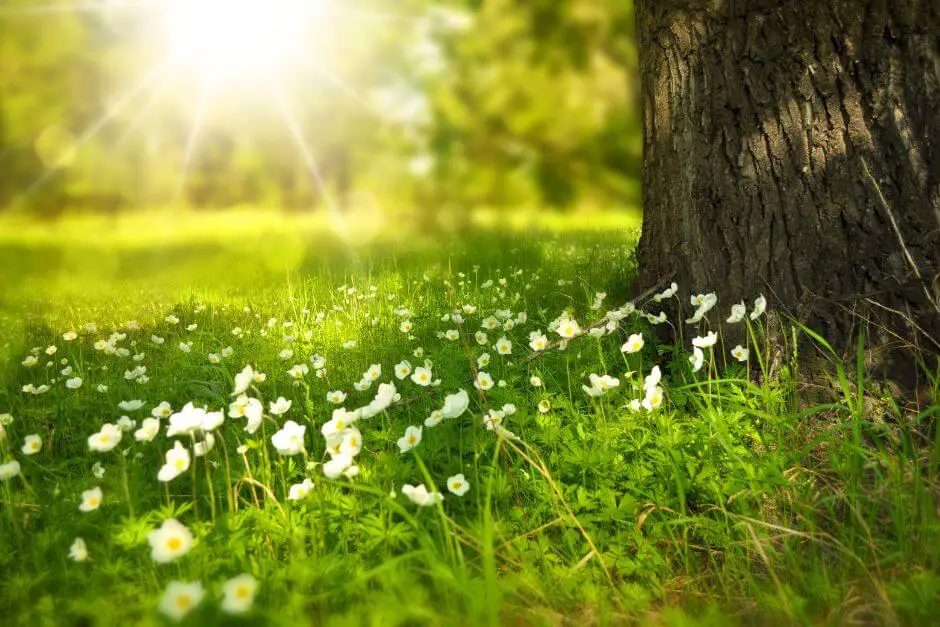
x: 259, y: 417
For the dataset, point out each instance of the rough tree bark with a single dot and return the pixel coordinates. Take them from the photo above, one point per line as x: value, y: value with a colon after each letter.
x: 792, y: 148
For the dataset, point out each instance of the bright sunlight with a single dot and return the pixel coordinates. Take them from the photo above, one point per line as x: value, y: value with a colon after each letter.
x: 239, y: 38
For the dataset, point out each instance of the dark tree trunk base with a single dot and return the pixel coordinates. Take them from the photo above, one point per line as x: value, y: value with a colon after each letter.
x: 792, y: 148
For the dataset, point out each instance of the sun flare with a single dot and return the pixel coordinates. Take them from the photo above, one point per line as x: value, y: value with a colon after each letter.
x: 228, y: 38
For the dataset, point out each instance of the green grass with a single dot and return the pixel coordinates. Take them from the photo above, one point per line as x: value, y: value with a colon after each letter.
x: 752, y: 495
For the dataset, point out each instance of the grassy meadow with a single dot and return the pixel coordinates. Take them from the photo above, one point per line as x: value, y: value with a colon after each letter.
x: 731, y: 491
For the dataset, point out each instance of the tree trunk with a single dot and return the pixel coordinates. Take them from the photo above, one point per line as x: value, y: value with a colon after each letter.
x: 792, y: 148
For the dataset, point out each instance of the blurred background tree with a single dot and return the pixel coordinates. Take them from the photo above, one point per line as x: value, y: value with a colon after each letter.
x: 418, y: 106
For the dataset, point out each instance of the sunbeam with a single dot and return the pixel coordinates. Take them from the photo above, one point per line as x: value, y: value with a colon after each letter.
x: 101, y: 123
x: 294, y: 127
x: 144, y: 110
x: 103, y: 6
x: 337, y: 83
x: 201, y: 107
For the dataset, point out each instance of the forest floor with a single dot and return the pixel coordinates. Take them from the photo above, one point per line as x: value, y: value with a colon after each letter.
x: 726, y: 492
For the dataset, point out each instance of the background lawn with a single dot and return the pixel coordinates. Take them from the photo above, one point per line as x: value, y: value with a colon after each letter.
x: 745, y: 497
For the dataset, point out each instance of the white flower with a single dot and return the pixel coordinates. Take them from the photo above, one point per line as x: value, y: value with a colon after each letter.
x: 458, y: 485
x: 503, y: 346
x: 337, y: 466
x: 300, y: 491
x: 434, y: 419
x: 148, y: 430
x: 177, y: 462
x: 186, y: 347
x: 163, y: 410
x: 200, y: 449
x: 74, y: 383
x: 483, y: 360
x: 30, y: 361
x: 98, y: 470
x: 420, y: 496
x: 125, y: 423
x: 668, y: 293
x: 250, y: 408
x: 172, y: 319
x: 373, y: 373
x: 544, y: 406
x: 653, y: 399
x: 70, y: 336
x: 406, y: 326
x: 537, y: 341
x: 336, y: 397
x: 239, y: 594
x: 703, y: 303
x: 697, y: 359
x: 452, y: 334
x: 78, y: 552
x: 6, y: 420
x: 707, y: 341
x: 411, y: 439
x: 290, y: 439
x: 535, y: 381
x: 481, y: 338
x: 31, y: 444
x: 351, y: 443
x: 656, y: 319
x: 760, y: 306
x: 245, y: 378
x: 652, y: 379
x: 633, y: 344
x: 600, y: 385
x: 568, y: 328
x: 299, y: 371
x: 280, y: 406
x: 350, y: 344
x: 170, y: 541
x: 738, y: 312
x: 422, y: 376
x: 180, y: 598
x: 106, y: 439
x: 403, y: 369
x: 740, y: 353
x: 9, y: 470
x: 131, y: 405
x: 455, y: 404
x: 483, y: 381
x: 91, y: 500
x: 191, y: 419
x: 157, y: 339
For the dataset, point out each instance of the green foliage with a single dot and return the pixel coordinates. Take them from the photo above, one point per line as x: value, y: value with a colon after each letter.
x: 410, y: 104
x: 743, y: 499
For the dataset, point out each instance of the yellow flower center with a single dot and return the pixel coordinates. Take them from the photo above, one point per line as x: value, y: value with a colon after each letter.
x: 242, y: 592
x: 104, y: 439
x: 93, y: 501
x: 183, y: 601
x: 179, y: 464
x: 174, y: 544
